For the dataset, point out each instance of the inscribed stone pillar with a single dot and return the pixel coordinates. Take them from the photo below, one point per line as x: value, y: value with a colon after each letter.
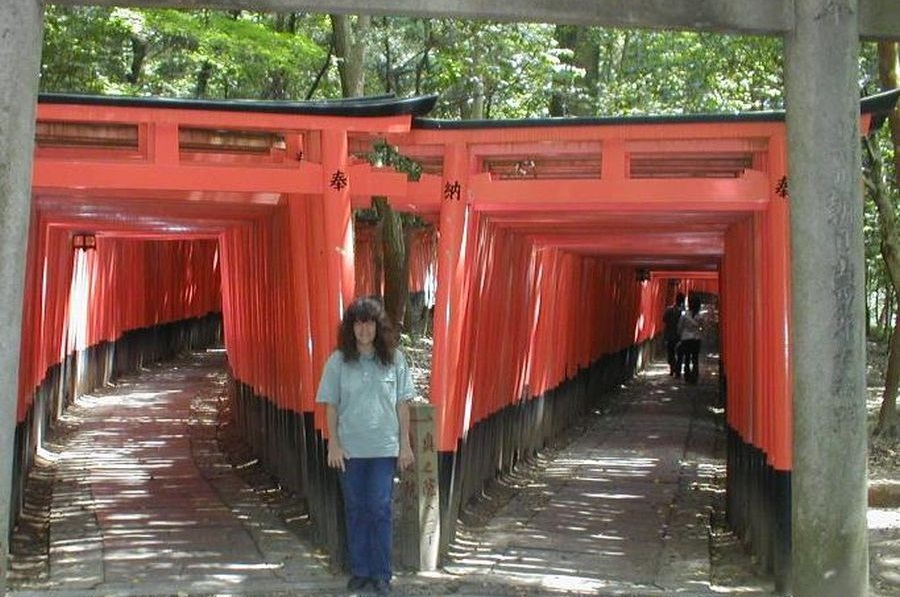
x: 20, y: 56
x: 830, y: 554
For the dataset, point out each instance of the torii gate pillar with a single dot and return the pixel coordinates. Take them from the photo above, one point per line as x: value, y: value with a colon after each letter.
x: 830, y: 553
x: 21, y: 24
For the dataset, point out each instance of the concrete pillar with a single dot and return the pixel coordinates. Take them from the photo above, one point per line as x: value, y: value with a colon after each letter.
x: 830, y: 553
x: 20, y: 57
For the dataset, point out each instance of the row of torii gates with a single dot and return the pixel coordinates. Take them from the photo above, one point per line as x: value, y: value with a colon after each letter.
x: 557, y: 245
x: 246, y: 209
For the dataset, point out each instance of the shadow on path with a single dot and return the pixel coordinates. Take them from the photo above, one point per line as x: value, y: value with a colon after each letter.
x: 134, y: 496
x: 624, y: 506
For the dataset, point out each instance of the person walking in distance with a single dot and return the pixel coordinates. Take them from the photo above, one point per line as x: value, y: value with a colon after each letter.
x: 671, y: 317
x: 366, y: 387
x: 689, y: 329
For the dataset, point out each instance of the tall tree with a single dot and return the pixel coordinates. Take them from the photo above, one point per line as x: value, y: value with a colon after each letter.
x: 584, y: 56
x: 889, y: 73
x: 351, y: 47
x: 392, y: 241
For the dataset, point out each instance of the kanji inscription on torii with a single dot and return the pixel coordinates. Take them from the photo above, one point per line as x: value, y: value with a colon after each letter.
x: 452, y: 191
x: 339, y: 180
x: 781, y: 189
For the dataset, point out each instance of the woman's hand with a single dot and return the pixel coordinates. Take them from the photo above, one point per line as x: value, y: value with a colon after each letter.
x: 336, y: 455
x: 406, y: 458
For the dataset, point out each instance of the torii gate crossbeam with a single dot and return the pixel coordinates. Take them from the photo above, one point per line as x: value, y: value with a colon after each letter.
x: 877, y: 18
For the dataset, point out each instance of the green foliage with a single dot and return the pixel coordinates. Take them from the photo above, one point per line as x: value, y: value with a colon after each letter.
x: 479, y: 68
x: 652, y: 72
x: 85, y: 50
x: 511, y: 65
x: 177, y: 53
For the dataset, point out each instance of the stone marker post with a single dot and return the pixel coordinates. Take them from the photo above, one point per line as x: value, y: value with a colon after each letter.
x: 830, y: 540
x: 418, y: 532
x: 20, y: 59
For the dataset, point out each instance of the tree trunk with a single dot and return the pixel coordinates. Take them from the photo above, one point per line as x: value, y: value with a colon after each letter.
x: 890, y: 252
x: 475, y: 109
x: 203, y: 76
x: 889, y: 72
x: 138, y: 54
x: 350, y: 48
x: 378, y: 259
x: 868, y: 301
x: 585, y: 56
x: 888, y: 421
x: 325, y: 66
x: 388, y: 62
x: 396, y: 265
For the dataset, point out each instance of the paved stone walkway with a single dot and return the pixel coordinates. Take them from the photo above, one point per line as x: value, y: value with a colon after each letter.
x: 624, y: 507
x: 142, y: 502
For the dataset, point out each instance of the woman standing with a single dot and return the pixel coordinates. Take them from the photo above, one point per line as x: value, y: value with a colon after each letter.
x: 366, y: 386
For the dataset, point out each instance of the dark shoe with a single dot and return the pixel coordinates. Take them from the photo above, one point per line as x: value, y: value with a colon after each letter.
x: 357, y: 583
x: 382, y: 586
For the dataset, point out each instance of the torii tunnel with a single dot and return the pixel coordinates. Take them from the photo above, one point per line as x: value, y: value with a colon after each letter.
x: 157, y: 223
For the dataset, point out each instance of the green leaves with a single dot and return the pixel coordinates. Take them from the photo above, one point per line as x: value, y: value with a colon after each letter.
x: 177, y: 53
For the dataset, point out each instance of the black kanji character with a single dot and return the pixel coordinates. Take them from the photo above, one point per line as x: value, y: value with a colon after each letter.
x: 782, y: 188
x: 338, y: 180
x: 452, y: 191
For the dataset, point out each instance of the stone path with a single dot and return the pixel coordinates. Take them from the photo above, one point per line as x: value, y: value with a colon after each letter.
x: 139, y: 500
x: 624, y: 507
x: 144, y: 501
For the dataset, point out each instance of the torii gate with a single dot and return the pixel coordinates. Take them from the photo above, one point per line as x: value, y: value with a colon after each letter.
x: 829, y: 525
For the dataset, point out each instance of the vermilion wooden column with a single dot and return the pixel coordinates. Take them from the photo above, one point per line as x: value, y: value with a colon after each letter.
x: 450, y: 293
x: 298, y: 214
x: 298, y: 217
x: 338, y: 222
x: 778, y: 297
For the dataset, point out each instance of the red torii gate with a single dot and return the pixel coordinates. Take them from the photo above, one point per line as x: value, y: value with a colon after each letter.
x: 566, y: 210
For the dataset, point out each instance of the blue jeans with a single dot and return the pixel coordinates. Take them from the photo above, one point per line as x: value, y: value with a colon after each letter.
x: 367, y: 484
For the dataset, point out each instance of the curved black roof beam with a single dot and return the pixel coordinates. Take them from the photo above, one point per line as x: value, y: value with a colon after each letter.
x: 379, y: 105
x: 878, y: 105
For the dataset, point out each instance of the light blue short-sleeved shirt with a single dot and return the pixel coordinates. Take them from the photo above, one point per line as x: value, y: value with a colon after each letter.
x: 366, y: 394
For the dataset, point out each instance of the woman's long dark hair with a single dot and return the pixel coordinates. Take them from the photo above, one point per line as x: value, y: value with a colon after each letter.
x: 367, y: 309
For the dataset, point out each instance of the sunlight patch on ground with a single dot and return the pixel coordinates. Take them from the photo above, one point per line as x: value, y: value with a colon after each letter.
x: 883, y: 518
x: 572, y: 583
